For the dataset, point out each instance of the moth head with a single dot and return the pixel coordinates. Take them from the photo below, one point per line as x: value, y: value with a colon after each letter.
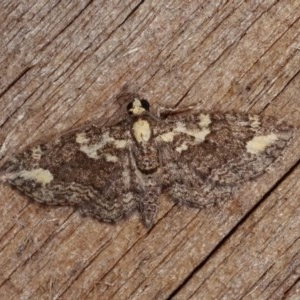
x: 138, y: 107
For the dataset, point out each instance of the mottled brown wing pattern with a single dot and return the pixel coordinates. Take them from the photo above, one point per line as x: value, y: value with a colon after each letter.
x: 89, y: 169
x: 197, y: 159
x: 205, y: 157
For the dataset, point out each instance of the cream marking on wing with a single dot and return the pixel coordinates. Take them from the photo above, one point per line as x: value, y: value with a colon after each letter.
x: 39, y: 175
x: 92, y: 150
x: 81, y: 138
x: 182, y: 147
x: 120, y: 144
x: 141, y: 130
x: 111, y: 158
x: 199, y: 135
x: 167, y: 137
x: 180, y: 126
x: 205, y: 120
x: 259, y: 143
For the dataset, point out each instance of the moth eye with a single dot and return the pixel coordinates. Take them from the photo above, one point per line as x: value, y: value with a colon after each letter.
x: 145, y: 104
x: 129, y: 107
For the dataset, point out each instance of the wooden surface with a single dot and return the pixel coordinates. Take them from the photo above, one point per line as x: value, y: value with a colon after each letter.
x: 63, y: 63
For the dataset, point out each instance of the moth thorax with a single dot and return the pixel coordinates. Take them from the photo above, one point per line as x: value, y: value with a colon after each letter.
x: 141, y: 131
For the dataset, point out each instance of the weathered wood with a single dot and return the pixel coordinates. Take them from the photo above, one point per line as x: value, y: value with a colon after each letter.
x: 64, y: 63
x: 261, y: 258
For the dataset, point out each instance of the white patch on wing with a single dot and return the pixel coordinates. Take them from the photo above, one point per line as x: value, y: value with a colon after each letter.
x: 259, y: 143
x: 198, y: 134
x: 111, y: 158
x: 81, y: 138
x: 205, y: 120
x: 167, y: 137
x: 106, y: 139
x: 39, y: 175
x: 182, y: 147
x: 92, y: 150
x: 120, y: 144
x: 180, y: 126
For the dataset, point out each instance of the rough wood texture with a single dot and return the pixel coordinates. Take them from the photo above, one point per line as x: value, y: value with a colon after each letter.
x: 64, y: 63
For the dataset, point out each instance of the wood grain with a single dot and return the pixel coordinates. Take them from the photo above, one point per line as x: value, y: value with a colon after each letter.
x: 65, y: 63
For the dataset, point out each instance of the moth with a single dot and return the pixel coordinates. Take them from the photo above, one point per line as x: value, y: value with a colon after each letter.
x: 195, y: 158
